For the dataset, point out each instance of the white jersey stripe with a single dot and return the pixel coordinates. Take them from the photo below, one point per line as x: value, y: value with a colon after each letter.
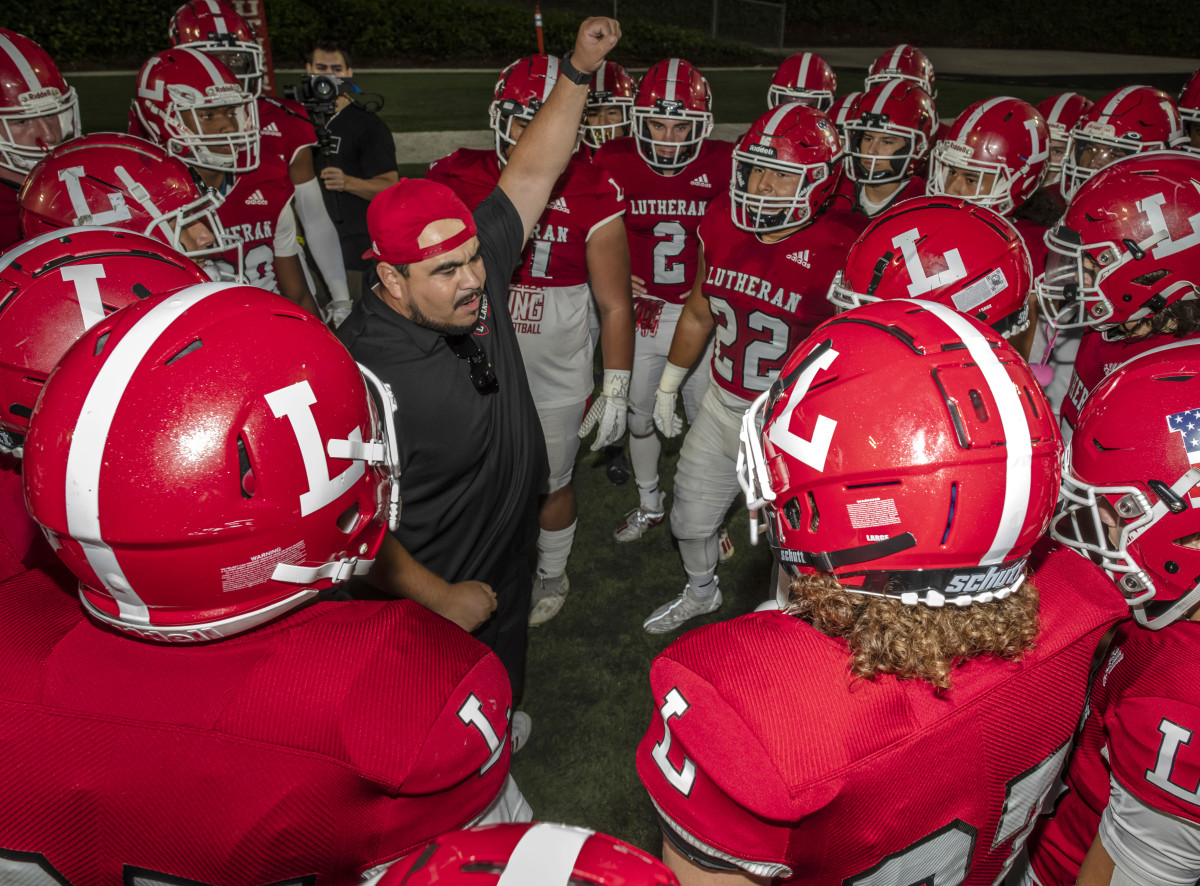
x: 545, y: 856
x: 22, y: 63
x: 1018, y: 446
x: 672, y: 77
x: 88, y: 442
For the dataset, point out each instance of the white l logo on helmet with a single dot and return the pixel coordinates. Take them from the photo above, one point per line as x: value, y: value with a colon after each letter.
x: 921, y: 282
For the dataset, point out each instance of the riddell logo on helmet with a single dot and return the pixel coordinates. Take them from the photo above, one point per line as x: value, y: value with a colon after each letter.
x: 176, y: 635
x: 762, y: 149
x: 977, y: 582
x: 39, y: 95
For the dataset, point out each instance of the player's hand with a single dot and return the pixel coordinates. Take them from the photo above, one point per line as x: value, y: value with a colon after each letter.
x: 609, y: 411
x: 469, y: 604
x: 596, y: 37
x: 668, y: 423
x: 638, y: 284
x: 333, y: 179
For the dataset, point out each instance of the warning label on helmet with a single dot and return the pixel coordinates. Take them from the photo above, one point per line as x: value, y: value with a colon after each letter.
x: 871, y: 512
x: 258, y: 570
x: 981, y: 291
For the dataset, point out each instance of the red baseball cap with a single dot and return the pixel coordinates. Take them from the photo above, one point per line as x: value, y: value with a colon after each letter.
x: 398, y: 216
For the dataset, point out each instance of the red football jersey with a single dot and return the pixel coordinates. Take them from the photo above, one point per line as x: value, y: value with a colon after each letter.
x: 471, y: 173
x: 250, y: 212
x: 767, y: 297
x: 767, y: 751
x: 305, y: 752
x: 284, y: 130
x: 845, y: 196
x: 1142, y: 715
x: 664, y: 211
x: 1094, y: 360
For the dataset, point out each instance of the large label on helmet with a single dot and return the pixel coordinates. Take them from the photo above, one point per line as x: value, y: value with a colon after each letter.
x: 86, y: 215
x: 295, y: 404
x: 811, y: 452
x: 1151, y: 207
x: 922, y: 282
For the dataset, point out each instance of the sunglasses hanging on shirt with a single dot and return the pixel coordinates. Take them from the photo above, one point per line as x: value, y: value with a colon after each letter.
x: 465, y: 347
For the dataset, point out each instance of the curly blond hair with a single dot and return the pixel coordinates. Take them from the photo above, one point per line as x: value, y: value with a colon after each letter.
x: 922, y: 642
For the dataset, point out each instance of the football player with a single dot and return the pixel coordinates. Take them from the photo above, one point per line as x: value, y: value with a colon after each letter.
x: 215, y: 28
x: 888, y: 133
x: 1128, y: 121
x: 609, y: 102
x: 1131, y: 812
x: 207, y: 463
x: 55, y: 287
x: 805, y: 78
x: 125, y: 182
x: 945, y: 250
x: 1124, y: 266
x: 38, y: 111
x: 195, y: 108
x: 903, y: 718
x: 768, y: 253
x: 669, y: 172
x: 903, y: 62
x: 1062, y: 113
x: 579, y: 239
x: 545, y: 854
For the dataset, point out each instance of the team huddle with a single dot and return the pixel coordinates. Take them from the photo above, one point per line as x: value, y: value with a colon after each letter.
x: 951, y: 368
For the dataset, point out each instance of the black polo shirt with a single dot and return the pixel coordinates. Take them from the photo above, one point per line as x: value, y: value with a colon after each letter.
x: 471, y: 464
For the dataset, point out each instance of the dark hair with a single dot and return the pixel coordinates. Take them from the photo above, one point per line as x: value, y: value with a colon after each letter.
x: 330, y: 46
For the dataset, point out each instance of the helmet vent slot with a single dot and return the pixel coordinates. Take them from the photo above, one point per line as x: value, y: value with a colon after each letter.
x: 194, y: 346
x: 1032, y: 401
x: 100, y: 343
x: 816, y: 515
x: 981, y: 411
x: 348, y: 519
x: 141, y: 290
x: 20, y: 410
x: 792, y: 513
x: 950, y: 515
x: 248, y: 483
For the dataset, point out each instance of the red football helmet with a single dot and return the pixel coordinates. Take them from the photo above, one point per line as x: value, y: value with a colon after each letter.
x: 793, y: 139
x: 1129, y: 497
x: 610, y: 99
x: 53, y: 288
x: 1062, y: 112
x: 541, y: 853
x: 805, y: 78
x: 1189, y: 111
x: 671, y: 91
x: 903, y: 62
x: 896, y: 109
x: 909, y: 451
x: 994, y: 154
x: 1129, y: 121
x: 207, y: 461
x: 180, y: 94
x: 38, y: 110
x: 944, y: 250
x: 125, y: 182
x: 523, y: 87
x: 842, y: 110
x: 1128, y: 245
x: 216, y: 29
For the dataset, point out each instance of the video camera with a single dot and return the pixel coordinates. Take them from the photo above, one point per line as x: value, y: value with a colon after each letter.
x: 319, y: 92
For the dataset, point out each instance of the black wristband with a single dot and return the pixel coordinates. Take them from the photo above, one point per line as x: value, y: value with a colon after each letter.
x: 571, y: 72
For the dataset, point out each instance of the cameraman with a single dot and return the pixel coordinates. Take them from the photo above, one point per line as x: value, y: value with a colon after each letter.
x: 358, y: 162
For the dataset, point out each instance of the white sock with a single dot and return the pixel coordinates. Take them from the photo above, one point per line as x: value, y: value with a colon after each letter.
x: 703, y: 587
x: 700, y: 558
x: 554, y: 547
x: 643, y: 455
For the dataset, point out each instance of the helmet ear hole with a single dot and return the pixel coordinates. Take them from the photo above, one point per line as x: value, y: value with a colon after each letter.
x: 348, y: 518
x: 249, y: 484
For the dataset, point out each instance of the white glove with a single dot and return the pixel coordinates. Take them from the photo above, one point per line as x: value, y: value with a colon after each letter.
x: 338, y: 310
x: 609, y: 410
x: 668, y: 423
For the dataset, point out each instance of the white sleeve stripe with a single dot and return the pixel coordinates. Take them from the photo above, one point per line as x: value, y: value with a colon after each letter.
x: 89, y: 440
x: 1018, y: 446
x: 756, y: 868
x: 598, y: 225
x: 1149, y: 845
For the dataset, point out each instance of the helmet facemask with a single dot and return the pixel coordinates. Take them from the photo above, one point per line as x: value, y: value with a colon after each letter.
x: 878, y: 169
x: 765, y: 214
x: 44, y: 121
x: 665, y: 154
x: 185, y: 120
x: 988, y: 183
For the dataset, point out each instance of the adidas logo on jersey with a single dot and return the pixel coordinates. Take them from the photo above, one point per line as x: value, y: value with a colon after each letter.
x: 701, y: 180
x: 270, y: 129
x: 256, y: 199
x: 800, y: 257
x: 560, y: 205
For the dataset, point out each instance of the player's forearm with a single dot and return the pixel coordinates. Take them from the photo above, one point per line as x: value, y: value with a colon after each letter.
x: 616, y: 336
x: 292, y: 285
x: 396, y: 572
x: 367, y: 188
x: 691, y: 334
